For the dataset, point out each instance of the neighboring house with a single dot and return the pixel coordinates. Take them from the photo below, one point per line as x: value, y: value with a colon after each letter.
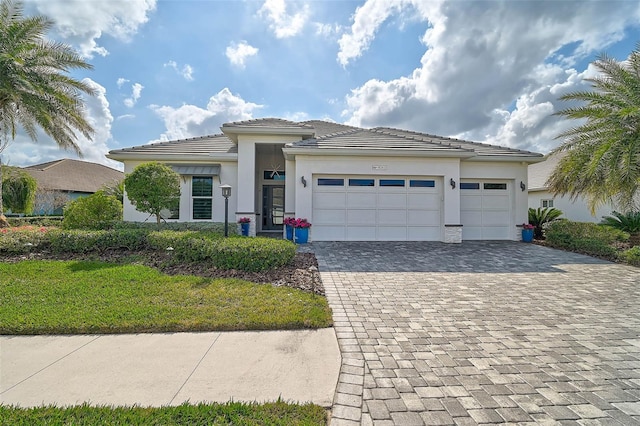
x: 350, y: 183
x: 539, y: 196
x: 66, y: 179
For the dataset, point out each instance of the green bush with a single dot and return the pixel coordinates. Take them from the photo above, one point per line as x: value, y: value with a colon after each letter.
x: 97, y: 211
x: 629, y: 222
x: 81, y: 241
x: 35, y: 221
x: 212, y: 227
x: 631, y: 256
x: 252, y: 254
x: 187, y: 246
x: 540, y: 217
x: 589, y: 238
x: 23, y: 239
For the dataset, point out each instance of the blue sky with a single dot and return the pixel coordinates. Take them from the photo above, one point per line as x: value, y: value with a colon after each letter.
x: 487, y: 71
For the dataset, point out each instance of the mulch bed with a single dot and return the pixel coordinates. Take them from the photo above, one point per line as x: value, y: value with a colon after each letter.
x: 302, y: 273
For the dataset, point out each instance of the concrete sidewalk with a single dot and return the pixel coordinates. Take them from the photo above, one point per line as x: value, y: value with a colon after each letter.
x: 169, y: 369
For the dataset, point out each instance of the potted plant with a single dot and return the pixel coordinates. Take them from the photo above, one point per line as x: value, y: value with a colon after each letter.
x: 527, y: 232
x: 301, y: 230
x: 288, y: 224
x: 244, y: 222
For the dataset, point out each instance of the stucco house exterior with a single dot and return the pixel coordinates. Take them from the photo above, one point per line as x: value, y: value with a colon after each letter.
x: 539, y: 196
x: 351, y: 183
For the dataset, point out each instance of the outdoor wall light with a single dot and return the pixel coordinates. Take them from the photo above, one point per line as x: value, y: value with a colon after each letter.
x: 522, y: 186
x: 452, y: 183
x: 304, y: 181
x: 226, y: 193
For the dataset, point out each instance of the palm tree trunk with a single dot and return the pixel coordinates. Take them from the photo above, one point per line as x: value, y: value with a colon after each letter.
x: 3, y: 219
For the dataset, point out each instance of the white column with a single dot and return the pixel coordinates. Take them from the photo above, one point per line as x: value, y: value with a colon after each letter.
x: 246, y: 191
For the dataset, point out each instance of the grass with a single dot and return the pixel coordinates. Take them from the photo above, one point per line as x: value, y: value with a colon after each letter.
x: 80, y: 297
x: 235, y: 413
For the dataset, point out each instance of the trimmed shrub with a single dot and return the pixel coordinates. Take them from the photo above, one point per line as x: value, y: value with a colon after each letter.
x: 39, y: 221
x: 252, y: 254
x: 631, y: 256
x: 23, y: 239
x: 212, y: 227
x: 97, y: 211
x: 188, y: 246
x: 585, y: 237
x: 81, y: 241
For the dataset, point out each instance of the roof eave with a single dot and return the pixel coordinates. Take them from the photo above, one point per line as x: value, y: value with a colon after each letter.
x: 214, y: 156
x: 529, y: 159
x: 232, y: 132
x: 290, y: 152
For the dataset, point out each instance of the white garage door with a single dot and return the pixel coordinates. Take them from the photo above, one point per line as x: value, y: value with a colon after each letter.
x: 485, y: 210
x: 357, y: 208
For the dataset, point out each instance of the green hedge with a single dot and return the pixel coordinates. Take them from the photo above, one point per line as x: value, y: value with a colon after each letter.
x: 585, y: 237
x: 631, y: 256
x: 247, y: 254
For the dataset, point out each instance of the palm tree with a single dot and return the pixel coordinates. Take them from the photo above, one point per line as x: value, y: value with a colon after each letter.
x: 602, y: 160
x: 35, y: 90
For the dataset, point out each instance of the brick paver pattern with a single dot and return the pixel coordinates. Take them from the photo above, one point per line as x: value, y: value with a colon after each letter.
x: 482, y: 333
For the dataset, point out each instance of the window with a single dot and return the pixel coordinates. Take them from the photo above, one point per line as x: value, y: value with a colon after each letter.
x: 361, y: 182
x: 391, y: 182
x: 469, y: 185
x: 546, y: 203
x: 495, y: 186
x: 273, y: 175
x: 422, y: 183
x: 201, y: 194
x: 330, y: 182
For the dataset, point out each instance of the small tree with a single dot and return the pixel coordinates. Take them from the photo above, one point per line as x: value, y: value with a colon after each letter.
x: 19, y: 190
x: 152, y: 187
x: 97, y: 211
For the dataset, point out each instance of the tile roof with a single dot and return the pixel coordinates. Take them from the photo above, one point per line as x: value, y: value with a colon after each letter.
x: 73, y: 175
x: 539, y: 173
x: 200, y: 146
x: 327, y: 135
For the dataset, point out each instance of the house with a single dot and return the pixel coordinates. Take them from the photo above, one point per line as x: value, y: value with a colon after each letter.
x: 539, y: 196
x: 66, y: 179
x: 350, y: 183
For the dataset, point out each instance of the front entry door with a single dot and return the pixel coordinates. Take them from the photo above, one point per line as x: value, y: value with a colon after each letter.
x: 272, y: 207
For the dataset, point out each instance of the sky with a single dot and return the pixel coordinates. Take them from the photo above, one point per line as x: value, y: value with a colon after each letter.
x: 486, y: 71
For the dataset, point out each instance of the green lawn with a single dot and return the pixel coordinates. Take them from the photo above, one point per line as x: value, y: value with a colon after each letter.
x: 233, y: 413
x: 54, y: 297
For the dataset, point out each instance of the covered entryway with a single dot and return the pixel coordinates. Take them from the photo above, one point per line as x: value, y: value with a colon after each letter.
x: 375, y: 208
x: 486, y: 209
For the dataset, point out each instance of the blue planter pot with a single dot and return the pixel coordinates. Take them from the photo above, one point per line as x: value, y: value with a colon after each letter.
x: 245, y: 229
x: 289, y: 230
x: 302, y: 235
x: 527, y: 235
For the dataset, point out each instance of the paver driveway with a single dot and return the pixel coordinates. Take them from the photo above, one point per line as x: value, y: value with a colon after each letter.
x: 486, y: 332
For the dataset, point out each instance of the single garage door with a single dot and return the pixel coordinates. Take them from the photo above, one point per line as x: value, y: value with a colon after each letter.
x: 485, y: 210
x: 364, y: 208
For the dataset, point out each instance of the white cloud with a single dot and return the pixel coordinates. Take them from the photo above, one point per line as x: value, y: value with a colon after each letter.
x: 121, y: 81
x: 186, y: 71
x: 136, y: 91
x: 83, y: 23
x: 239, y: 52
x: 284, y: 24
x: 486, y: 72
x: 190, y: 120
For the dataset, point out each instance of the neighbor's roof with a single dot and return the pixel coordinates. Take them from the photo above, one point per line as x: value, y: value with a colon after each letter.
x: 539, y: 173
x: 73, y: 175
x: 327, y: 137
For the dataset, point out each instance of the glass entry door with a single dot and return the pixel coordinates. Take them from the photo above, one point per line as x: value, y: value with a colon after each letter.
x: 272, y: 207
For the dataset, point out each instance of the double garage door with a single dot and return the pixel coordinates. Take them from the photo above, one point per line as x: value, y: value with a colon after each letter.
x: 357, y: 208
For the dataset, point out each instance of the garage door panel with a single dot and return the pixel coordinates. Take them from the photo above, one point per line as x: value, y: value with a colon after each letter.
x: 496, y: 202
x: 423, y: 201
x: 486, y: 212
x: 329, y: 217
x: 379, y: 212
x: 361, y: 233
x: 361, y: 217
x: 423, y: 217
x: 392, y: 200
x: 392, y: 233
x: 359, y: 200
x: 330, y: 199
x: 328, y: 233
x: 392, y: 216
